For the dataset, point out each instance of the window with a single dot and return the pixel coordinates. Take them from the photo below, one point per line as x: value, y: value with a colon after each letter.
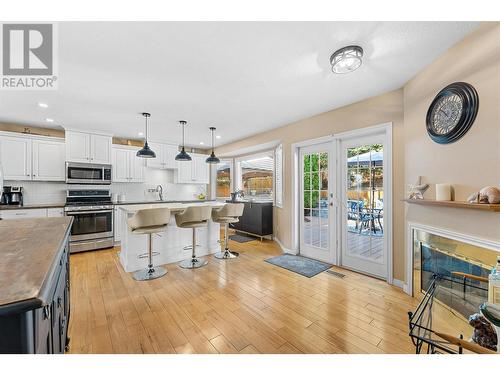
x: 223, y: 180
x: 256, y: 176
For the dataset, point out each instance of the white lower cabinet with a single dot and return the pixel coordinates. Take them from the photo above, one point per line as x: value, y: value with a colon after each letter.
x: 127, y: 167
x: 24, y: 214
x: 55, y: 212
x: 117, y: 220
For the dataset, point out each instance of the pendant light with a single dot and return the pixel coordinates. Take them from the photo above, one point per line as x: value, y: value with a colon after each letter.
x: 212, y: 159
x: 183, y: 155
x: 146, y: 152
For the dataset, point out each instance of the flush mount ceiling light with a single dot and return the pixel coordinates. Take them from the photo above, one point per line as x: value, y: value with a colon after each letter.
x: 146, y: 152
x: 183, y: 155
x: 43, y: 105
x: 212, y: 159
x: 347, y: 59
x: 49, y: 119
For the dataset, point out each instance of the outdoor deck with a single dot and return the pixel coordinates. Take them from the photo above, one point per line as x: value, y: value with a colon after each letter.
x: 367, y: 244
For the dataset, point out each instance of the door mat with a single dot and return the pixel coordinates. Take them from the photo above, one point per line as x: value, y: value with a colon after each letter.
x: 303, y: 266
x: 240, y: 238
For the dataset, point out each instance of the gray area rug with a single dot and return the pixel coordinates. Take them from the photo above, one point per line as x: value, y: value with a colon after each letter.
x: 299, y: 264
x: 241, y: 239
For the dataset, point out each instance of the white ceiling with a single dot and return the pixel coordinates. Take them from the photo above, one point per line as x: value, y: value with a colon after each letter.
x: 242, y: 77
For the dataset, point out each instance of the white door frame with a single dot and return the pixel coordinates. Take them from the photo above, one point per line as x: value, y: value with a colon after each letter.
x: 385, y: 128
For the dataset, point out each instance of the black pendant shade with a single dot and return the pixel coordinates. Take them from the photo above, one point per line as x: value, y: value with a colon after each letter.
x: 183, y: 155
x: 212, y: 159
x: 146, y: 152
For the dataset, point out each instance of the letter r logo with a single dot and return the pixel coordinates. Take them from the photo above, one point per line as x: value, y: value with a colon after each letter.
x: 27, y: 49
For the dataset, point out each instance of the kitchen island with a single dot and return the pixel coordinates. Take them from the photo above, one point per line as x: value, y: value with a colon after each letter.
x: 34, y: 285
x: 173, y: 245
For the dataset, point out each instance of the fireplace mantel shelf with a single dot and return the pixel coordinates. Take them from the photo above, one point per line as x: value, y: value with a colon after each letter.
x: 474, y: 206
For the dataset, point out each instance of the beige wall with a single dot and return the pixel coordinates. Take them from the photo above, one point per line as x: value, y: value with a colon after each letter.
x: 473, y: 161
x: 377, y: 110
x: 469, y: 164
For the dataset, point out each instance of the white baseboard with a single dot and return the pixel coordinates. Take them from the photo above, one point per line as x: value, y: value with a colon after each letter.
x: 285, y: 249
x: 402, y: 285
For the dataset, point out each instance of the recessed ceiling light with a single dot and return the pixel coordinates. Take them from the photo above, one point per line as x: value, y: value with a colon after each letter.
x: 43, y: 105
x: 202, y: 143
x: 141, y: 134
x: 347, y: 59
x: 49, y: 119
x: 217, y: 136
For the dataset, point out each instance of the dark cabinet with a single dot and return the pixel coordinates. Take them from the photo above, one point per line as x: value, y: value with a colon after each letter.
x: 257, y: 219
x: 40, y: 329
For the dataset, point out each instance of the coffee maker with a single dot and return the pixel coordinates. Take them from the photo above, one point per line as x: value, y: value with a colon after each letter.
x: 12, y: 195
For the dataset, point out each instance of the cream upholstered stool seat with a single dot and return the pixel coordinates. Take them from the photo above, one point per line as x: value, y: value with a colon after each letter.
x: 229, y: 213
x: 149, y: 221
x: 193, y: 217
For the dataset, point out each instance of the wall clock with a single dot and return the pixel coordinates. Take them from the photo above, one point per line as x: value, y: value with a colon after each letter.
x: 452, y: 112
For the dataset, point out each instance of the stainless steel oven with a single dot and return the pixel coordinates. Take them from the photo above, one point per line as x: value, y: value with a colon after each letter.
x: 92, y: 213
x: 86, y: 173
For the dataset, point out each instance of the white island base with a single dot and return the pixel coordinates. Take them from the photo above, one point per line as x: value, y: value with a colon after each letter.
x: 173, y: 245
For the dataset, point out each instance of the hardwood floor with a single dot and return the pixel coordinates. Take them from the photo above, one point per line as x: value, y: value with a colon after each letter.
x: 243, y: 305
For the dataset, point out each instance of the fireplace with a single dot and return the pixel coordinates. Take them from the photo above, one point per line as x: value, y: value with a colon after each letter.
x: 461, y: 266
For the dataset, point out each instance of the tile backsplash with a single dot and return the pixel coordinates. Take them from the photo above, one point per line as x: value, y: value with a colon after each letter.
x: 41, y: 192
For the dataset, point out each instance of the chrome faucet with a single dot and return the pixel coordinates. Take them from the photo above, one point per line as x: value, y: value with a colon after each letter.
x: 159, y: 190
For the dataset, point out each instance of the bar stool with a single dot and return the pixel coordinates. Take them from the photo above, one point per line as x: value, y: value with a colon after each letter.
x: 229, y: 213
x: 193, y: 217
x: 149, y: 221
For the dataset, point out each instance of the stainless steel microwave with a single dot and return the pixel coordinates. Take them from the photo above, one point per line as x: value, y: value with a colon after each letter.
x: 86, y: 173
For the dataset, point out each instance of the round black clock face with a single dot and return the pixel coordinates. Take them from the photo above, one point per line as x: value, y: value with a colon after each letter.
x: 452, y: 112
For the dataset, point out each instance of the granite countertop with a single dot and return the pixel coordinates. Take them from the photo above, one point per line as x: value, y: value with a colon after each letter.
x: 31, y: 206
x: 28, y: 251
x: 173, y: 206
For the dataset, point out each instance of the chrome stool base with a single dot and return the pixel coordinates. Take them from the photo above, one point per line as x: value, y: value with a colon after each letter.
x: 193, y: 263
x: 226, y: 254
x: 150, y: 273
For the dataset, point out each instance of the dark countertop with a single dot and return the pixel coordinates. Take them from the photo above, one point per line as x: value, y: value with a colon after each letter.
x: 31, y: 206
x: 60, y: 205
x: 169, y: 201
x: 28, y: 252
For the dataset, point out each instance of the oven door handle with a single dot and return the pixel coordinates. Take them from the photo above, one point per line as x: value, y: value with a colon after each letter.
x: 88, y: 212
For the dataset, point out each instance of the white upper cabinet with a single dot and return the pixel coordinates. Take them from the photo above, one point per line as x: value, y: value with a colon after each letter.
x: 195, y: 171
x: 15, y: 157
x: 48, y: 160
x: 100, y: 149
x: 159, y: 161
x: 77, y: 147
x: 27, y: 157
x: 165, y: 156
x: 127, y: 167
x: 136, y: 167
x: 84, y: 147
x: 170, y: 152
